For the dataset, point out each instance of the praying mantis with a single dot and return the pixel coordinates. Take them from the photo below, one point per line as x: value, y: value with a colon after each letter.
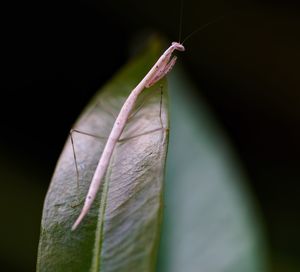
x: 158, y: 71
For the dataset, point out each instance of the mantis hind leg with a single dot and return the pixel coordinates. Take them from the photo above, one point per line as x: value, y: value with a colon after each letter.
x: 71, y: 133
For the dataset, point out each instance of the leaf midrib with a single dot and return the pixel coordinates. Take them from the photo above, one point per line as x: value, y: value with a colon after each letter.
x: 96, y: 262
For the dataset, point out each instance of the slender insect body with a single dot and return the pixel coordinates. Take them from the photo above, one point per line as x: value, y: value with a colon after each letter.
x: 163, y: 66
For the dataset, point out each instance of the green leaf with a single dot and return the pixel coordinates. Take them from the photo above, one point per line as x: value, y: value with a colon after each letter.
x: 121, y: 231
x: 210, y: 220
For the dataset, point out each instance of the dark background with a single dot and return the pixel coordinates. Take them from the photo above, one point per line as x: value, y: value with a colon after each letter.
x: 56, y: 54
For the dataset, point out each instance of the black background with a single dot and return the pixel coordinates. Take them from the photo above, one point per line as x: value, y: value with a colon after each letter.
x: 56, y: 54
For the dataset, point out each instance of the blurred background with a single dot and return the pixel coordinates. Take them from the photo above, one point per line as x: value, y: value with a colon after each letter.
x: 56, y: 54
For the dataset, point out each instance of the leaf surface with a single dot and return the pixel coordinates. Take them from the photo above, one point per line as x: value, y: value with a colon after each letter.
x: 121, y: 231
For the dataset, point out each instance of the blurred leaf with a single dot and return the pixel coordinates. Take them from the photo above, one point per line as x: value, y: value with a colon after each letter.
x: 210, y: 222
x: 121, y: 231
